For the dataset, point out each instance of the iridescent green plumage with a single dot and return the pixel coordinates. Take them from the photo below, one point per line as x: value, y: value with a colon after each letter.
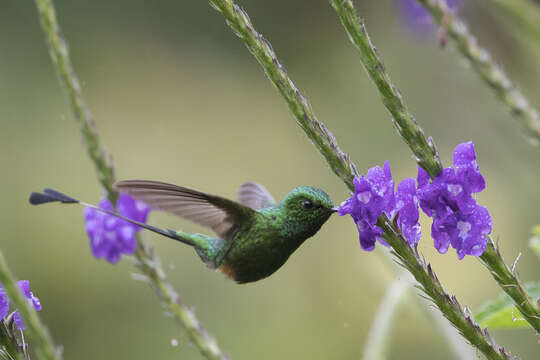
x: 256, y: 236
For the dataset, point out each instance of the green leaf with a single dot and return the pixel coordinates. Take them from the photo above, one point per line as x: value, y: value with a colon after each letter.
x: 501, y: 312
x: 534, y: 243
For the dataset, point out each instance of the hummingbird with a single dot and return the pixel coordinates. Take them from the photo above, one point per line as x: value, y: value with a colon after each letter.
x: 254, y: 235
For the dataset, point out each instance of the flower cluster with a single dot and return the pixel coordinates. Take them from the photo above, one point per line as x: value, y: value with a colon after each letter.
x: 457, y: 219
x: 417, y: 18
x: 373, y: 196
x: 24, y: 287
x: 110, y: 237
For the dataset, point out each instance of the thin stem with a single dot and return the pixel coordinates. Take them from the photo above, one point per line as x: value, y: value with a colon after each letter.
x: 299, y: 106
x: 485, y: 67
x: 396, y: 294
x: 340, y: 163
x: 146, y: 260
x: 509, y: 281
x: 492, y: 259
x: 378, y: 338
x: 42, y: 342
x: 405, y: 123
x: 60, y: 57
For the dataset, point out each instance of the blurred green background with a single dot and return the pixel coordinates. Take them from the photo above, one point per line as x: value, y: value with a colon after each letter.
x: 178, y: 98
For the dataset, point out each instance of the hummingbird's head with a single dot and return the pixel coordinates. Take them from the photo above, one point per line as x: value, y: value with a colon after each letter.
x: 306, y: 209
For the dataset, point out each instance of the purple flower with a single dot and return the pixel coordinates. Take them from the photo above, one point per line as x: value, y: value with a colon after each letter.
x: 24, y: 287
x: 417, y: 18
x: 465, y: 232
x: 407, y: 211
x: 457, y: 219
x: 4, y: 303
x: 17, y: 319
x: 373, y: 195
x: 454, y: 186
x: 111, y: 237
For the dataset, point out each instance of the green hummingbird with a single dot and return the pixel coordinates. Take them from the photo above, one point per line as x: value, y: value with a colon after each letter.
x: 255, y: 236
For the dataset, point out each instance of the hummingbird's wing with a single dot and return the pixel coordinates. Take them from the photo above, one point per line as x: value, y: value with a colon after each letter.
x: 255, y: 196
x: 219, y: 214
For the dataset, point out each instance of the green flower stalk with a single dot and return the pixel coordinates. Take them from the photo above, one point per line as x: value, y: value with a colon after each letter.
x: 147, y: 261
x: 491, y: 257
x: 405, y: 123
x: 60, y: 56
x: 340, y: 163
x: 510, y: 283
x: 486, y: 68
x: 42, y: 343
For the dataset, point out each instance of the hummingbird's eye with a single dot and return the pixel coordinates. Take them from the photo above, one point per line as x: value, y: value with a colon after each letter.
x: 308, y: 205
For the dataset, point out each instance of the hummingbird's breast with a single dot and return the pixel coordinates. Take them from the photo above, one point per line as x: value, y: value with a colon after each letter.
x: 257, y: 251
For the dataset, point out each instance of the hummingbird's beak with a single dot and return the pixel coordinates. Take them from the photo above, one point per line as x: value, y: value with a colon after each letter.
x: 334, y: 209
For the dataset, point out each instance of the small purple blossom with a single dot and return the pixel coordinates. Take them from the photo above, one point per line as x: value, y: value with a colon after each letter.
x: 110, y: 237
x: 373, y: 195
x: 407, y: 211
x: 24, y: 287
x: 417, y: 18
x: 368, y: 234
x: 465, y: 232
x: 457, y: 219
x: 4, y: 303
x: 454, y: 186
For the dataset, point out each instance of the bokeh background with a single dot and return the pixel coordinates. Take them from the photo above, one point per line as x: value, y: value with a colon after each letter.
x: 178, y: 98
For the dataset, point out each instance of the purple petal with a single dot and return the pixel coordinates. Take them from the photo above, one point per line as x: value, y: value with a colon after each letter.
x: 412, y: 233
x: 24, y: 286
x: 407, y: 202
x: 422, y: 178
x: 346, y: 207
x: 17, y: 319
x: 440, y: 232
x: 4, y: 303
x: 481, y: 225
x: 387, y: 172
x: 472, y: 179
x: 111, y: 237
x: 132, y: 209
x: 368, y: 235
x: 407, y: 209
x: 464, y: 155
x: 432, y: 201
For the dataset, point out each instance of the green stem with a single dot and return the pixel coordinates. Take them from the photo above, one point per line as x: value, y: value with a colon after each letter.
x: 486, y: 68
x: 449, y: 305
x: 340, y: 163
x: 60, y: 57
x: 507, y: 280
x: 146, y: 260
x: 42, y: 342
x: 405, y: 123
x: 299, y: 106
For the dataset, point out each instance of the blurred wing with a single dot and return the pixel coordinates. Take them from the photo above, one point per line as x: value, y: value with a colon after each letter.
x: 219, y: 214
x: 255, y: 196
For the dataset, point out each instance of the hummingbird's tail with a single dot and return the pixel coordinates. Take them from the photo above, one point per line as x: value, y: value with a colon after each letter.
x: 50, y: 195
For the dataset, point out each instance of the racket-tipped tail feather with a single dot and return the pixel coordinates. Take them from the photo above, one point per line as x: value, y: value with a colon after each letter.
x: 49, y: 195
